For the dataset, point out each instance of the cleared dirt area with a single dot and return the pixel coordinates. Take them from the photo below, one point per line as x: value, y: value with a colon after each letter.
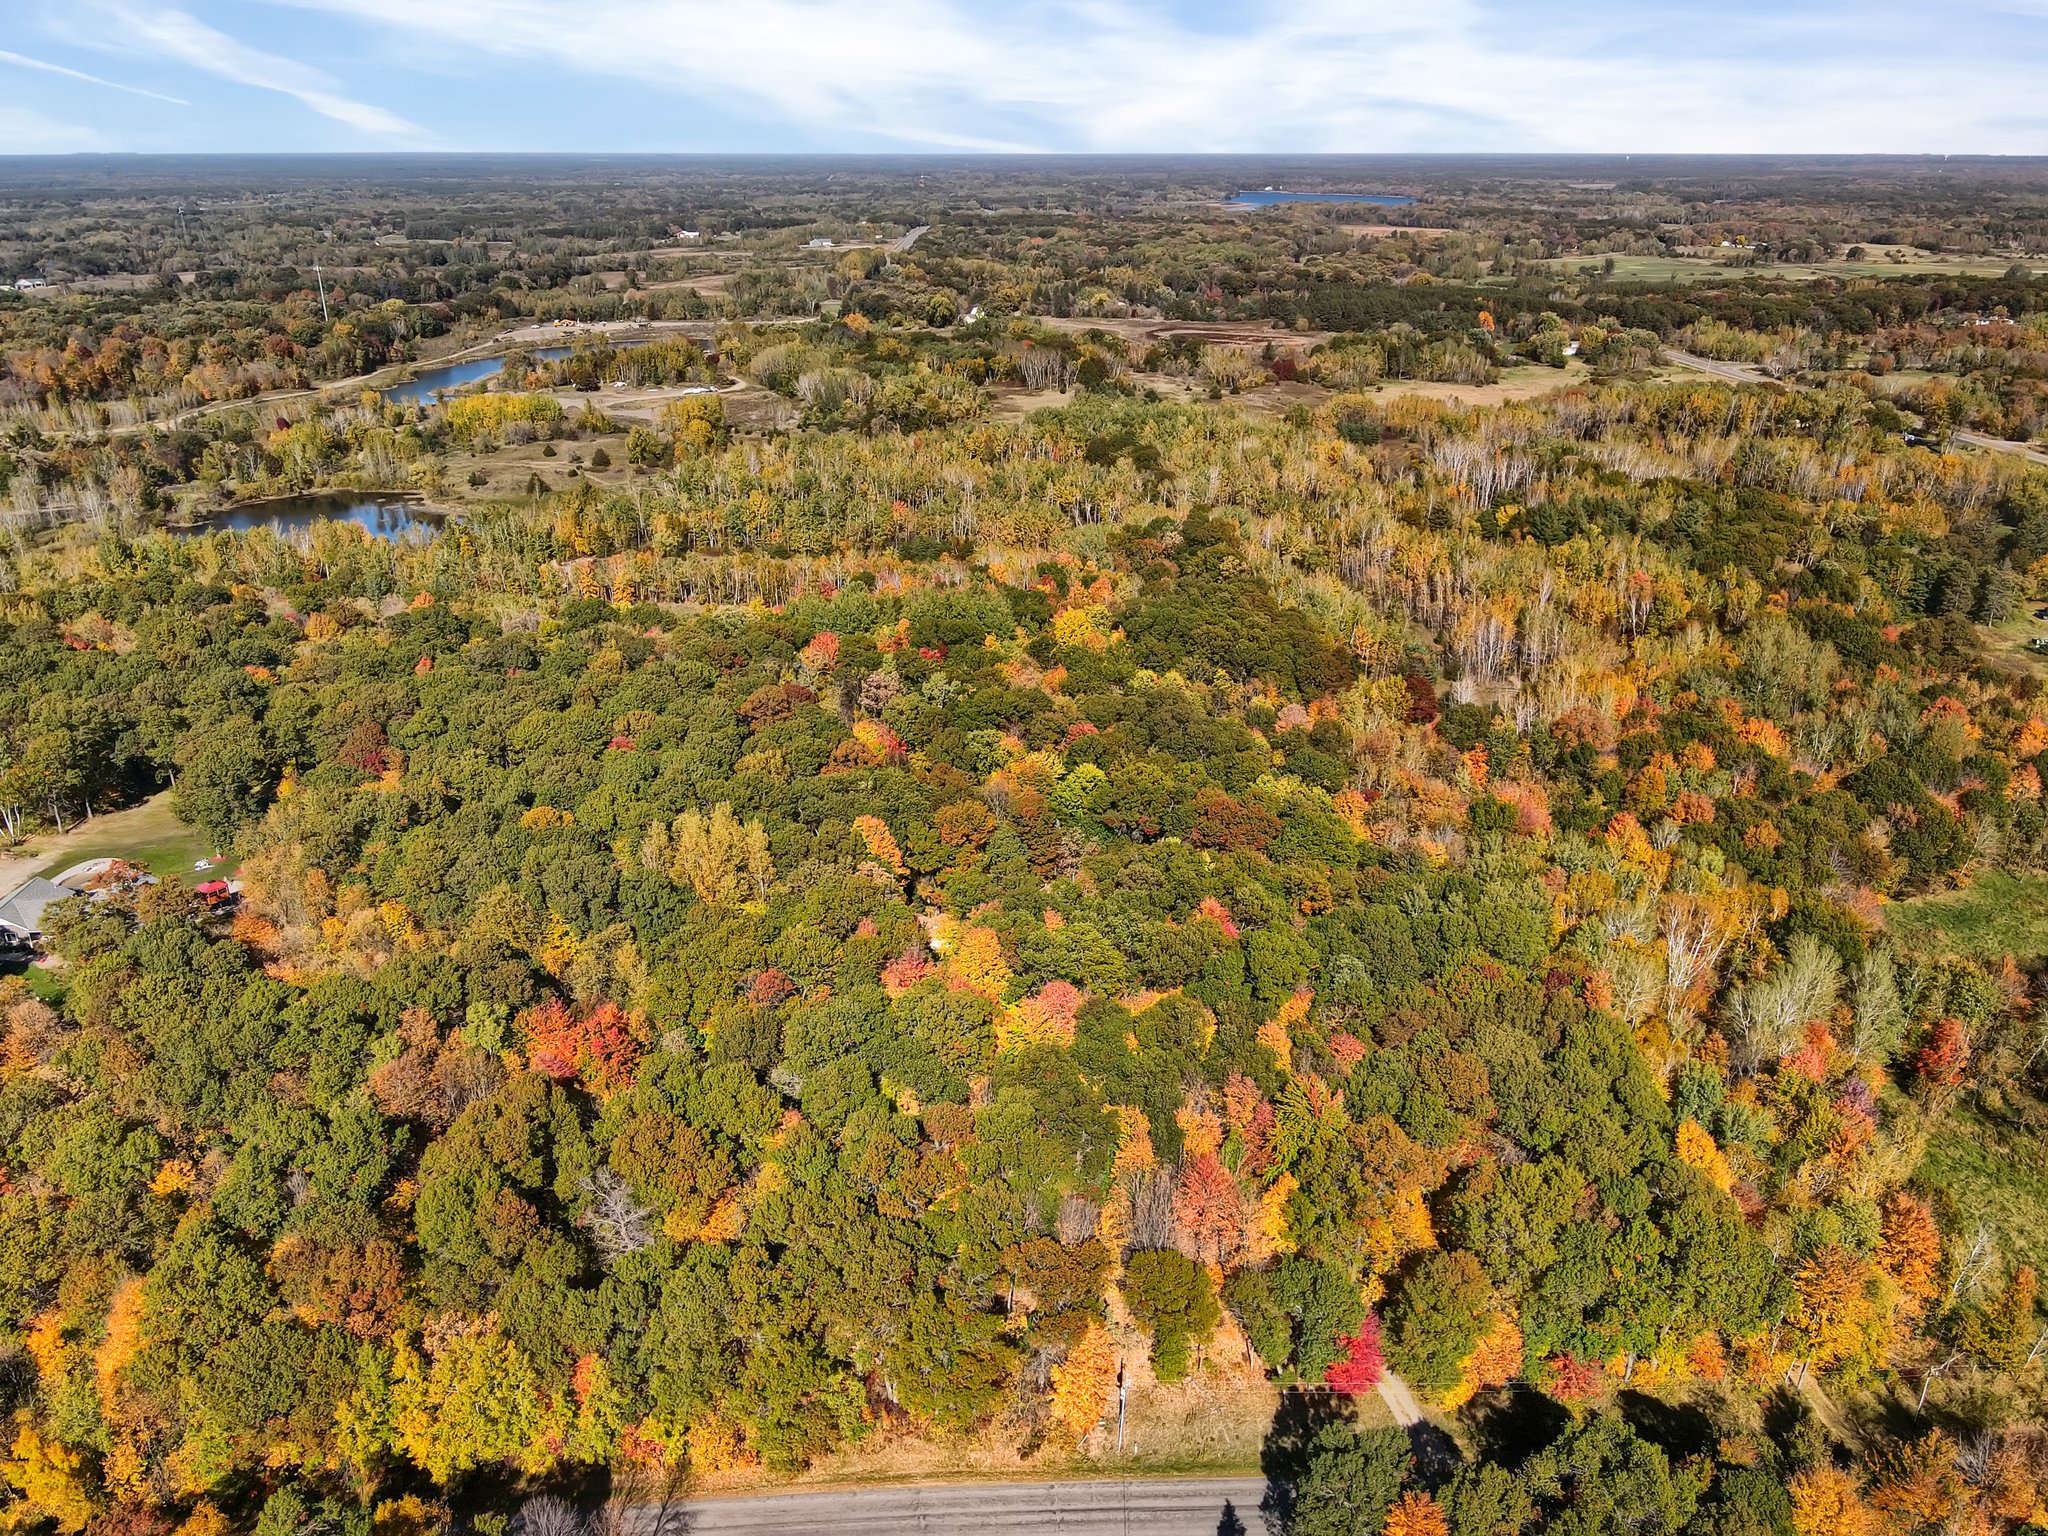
x: 1515, y: 384
x: 545, y: 333
x: 709, y: 282
x: 642, y: 406
x: 1008, y: 404
x: 507, y: 470
x: 111, y: 282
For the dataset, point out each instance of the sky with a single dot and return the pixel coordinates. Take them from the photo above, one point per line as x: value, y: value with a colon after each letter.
x: 1085, y: 76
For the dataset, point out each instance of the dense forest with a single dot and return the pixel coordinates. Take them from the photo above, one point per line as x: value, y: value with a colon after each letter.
x: 886, y: 927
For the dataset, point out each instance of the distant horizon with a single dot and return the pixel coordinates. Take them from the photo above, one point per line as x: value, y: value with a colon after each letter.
x: 1306, y: 160
x: 997, y: 157
x: 1408, y: 175
x: 1043, y: 76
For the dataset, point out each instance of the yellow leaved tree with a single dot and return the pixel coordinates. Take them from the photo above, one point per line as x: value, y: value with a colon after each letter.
x: 1825, y: 1503
x: 720, y: 857
x: 51, y: 1478
x: 1082, y: 1383
x: 1697, y: 1148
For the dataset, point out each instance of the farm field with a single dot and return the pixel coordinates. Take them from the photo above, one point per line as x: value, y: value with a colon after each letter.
x: 1704, y: 269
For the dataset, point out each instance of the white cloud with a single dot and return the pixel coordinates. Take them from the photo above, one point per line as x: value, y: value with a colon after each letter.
x: 1357, y: 76
x: 1332, y: 75
x: 25, y: 131
x: 168, y: 33
x: 23, y: 61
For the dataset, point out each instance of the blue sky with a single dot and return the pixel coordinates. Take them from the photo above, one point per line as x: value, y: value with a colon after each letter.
x: 1361, y: 76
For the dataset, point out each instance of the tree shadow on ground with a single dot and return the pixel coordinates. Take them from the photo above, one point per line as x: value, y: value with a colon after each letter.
x: 1437, y: 1457
x: 1679, y: 1430
x: 1284, y: 1455
x: 1508, y: 1427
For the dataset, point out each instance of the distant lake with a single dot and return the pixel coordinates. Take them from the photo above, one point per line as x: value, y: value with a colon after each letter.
x: 383, y: 517
x: 422, y: 388
x: 1274, y: 199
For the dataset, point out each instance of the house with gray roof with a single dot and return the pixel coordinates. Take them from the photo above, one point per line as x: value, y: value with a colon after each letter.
x: 21, y: 914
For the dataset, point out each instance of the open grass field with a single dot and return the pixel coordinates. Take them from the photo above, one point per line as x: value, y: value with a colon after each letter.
x: 1695, y: 269
x: 1995, y: 1177
x: 1996, y: 915
x: 1274, y: 399
x: 2011, y: 645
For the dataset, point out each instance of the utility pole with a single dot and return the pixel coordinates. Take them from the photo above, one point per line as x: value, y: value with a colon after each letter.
x: 1123, y: 1392
x: 317, y: 278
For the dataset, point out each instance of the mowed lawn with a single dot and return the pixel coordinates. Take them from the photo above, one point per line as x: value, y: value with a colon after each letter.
x: 1996, y: 915
x: 148, y: 834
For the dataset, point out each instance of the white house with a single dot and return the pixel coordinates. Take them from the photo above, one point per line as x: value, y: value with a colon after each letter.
x: 26, y: 283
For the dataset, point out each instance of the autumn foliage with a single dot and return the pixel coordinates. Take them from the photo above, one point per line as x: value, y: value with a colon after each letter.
x: 1362, y: 1364
x: 598, y: 1046
x: 1082, y: 1384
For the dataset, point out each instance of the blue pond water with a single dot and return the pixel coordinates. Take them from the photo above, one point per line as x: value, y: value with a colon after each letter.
x: 1274, y: 199
x: 385, y: 517
x: 433, y: 381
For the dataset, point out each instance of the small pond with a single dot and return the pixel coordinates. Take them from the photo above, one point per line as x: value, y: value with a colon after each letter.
x: 430, y: 382
x: 383, y: 516
x: 1271, y: 199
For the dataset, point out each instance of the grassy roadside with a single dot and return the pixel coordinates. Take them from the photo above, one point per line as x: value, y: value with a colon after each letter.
x: 1213, y: 1425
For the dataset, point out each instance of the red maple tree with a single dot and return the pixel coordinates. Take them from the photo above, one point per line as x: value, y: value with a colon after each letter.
x: 596, y: 1045
x: 1363, y: 1365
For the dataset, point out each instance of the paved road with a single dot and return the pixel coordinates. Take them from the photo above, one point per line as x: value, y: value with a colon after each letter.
x: 1139, y: 1507
x: 2001, y: 445
x: 1740, y: 373
x: 908, y: 238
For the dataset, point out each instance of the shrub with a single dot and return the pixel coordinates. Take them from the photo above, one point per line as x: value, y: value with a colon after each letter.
x: 1172, y: 1299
